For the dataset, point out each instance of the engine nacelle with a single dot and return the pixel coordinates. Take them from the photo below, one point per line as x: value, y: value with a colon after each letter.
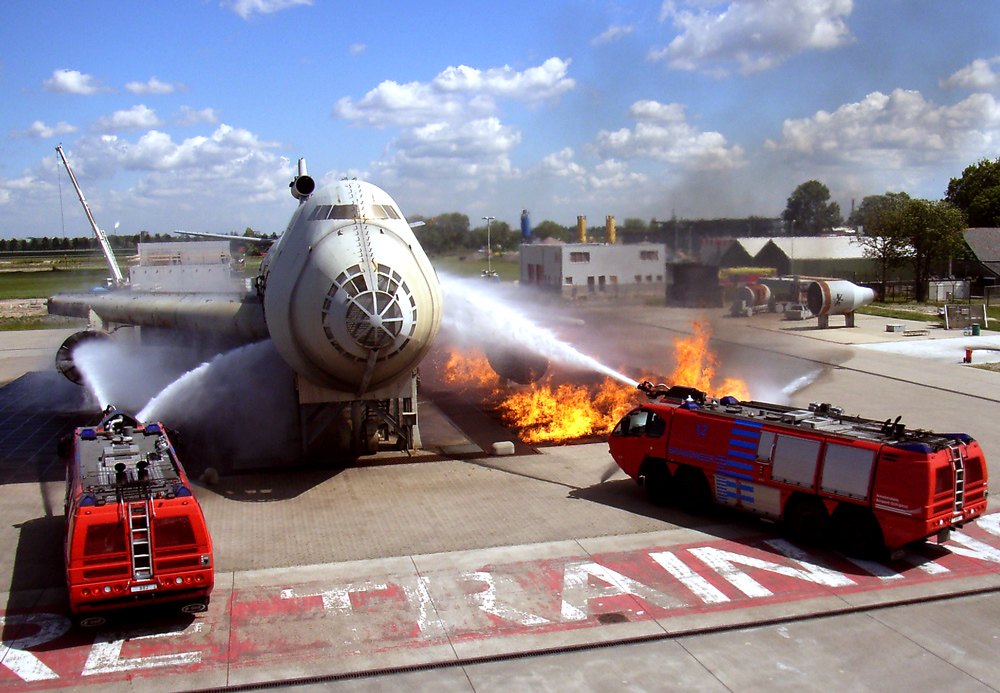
x: 302, y: 187
x: 837, y: 297
x: 64, y: 355
x: 516, y: 363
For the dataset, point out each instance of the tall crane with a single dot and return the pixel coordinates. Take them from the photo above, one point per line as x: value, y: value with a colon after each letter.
x: 102, y: 238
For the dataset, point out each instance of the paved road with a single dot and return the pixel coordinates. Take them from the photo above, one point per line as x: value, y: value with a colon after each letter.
x: 422, y: 563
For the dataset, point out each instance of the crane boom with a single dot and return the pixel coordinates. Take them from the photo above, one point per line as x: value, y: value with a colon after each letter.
x: 102, y: 238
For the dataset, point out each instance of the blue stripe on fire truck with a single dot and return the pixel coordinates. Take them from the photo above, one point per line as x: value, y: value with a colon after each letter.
x: 727, y: 489
x: 750, y: 431
x: 739, y: 470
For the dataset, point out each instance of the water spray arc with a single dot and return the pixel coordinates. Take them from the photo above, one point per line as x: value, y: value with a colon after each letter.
x: 484, y: 315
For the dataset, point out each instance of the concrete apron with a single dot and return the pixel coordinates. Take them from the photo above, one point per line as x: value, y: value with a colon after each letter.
x: 391, y: 614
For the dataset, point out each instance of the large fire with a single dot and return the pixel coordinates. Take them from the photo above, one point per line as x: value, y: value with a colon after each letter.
x: 696, y: 365
x: 550, y: 411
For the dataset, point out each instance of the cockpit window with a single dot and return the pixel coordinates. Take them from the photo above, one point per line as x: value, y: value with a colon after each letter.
x: 319, y: 212
x: 344, y: 212
x: 385, y: 212
x: 322, y: 212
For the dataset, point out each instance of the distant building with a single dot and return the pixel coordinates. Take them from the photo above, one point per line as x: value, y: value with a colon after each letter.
x: 985, y: 245
x: 812, y: 256
x: 186, y: 267
x: 595, y: 270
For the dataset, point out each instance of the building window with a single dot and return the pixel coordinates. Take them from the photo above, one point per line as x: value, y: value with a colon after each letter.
x: 590, y: 284
x: 638, y: 279
x: 649, y: 254
x: 649, y: 278
x: 659, y: 277
x: 569, y: 280
x: 579, y: 257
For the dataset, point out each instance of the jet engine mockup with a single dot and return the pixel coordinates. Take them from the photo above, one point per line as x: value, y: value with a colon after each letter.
x: 837, y: 298
x: 350, y: 299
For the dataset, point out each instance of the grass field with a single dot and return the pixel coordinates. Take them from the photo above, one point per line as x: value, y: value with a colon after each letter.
x: 42, y: 284
x: 472, y: 265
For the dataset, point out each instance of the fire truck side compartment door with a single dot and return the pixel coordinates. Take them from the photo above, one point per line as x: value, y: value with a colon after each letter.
x: 847, y: 471
x: 795, y: 460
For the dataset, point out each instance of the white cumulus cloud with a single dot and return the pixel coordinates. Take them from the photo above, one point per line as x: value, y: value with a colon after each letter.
x: 72, y: 82
x: 246, y: 8
x: 979, y: 76
x: 188, y: 116
x: 153, y: 86
x: 457, y: 93
x: 612, y: 33
x: 39, y: 129
x: 895, y: 130
x: 663, y: 133
x: 753, y: 35
x: 138, y: 117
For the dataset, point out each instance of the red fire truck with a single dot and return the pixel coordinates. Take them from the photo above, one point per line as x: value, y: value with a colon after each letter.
x: 134, y: 531
x: 874, y: 485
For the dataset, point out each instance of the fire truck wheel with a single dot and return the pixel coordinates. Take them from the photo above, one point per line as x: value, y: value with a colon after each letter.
x: 807, y: 520
x: 691, y: 491
x: 657, y: 481
x: 858, y: 532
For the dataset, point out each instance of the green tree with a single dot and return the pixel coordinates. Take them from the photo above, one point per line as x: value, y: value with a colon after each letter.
x: 882, y: 237
x: 934, y: 230
x: 550, y: 229
x: 444, y: 233
x: 809, y: 211
x: 634, y: 228
x: 977, y: 194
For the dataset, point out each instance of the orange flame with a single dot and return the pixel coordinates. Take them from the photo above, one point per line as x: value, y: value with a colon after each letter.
x: 549, y: 412
x: 696, y: 365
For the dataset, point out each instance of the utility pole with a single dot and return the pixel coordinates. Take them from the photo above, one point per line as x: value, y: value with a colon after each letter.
x: 489, y: 249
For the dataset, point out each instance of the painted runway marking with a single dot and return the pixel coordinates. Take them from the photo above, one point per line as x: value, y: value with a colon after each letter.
x: 296, y: 626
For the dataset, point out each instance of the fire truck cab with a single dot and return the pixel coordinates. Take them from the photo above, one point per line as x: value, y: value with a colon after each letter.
x: 875, y: 485
x: 134, y: 531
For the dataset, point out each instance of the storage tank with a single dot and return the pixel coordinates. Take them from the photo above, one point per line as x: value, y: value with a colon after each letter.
x: 525, y: 226
x: 581, y: 229
x: 610, y: 236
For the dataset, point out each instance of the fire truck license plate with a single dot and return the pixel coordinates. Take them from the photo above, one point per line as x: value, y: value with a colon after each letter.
x: 143, y: 588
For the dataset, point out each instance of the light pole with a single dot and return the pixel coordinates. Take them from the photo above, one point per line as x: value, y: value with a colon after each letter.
x: 489, y: 248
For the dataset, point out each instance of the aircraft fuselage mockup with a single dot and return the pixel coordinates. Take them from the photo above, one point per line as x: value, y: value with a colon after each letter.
x: 347, y: 295
x: 350, y: 299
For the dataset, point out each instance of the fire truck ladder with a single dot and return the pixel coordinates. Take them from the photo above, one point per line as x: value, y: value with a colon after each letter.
x: 958, y: 466
x: 139, y: 538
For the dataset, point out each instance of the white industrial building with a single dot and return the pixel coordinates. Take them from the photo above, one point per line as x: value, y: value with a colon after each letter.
x: 186, y: 267
x: 595, y: 270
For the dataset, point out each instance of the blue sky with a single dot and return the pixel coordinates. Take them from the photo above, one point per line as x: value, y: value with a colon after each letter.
x: 192, y: 115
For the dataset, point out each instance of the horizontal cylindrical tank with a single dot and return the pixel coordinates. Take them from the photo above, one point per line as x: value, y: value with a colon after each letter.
x: 837, y: 297
x: 754, y: 295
